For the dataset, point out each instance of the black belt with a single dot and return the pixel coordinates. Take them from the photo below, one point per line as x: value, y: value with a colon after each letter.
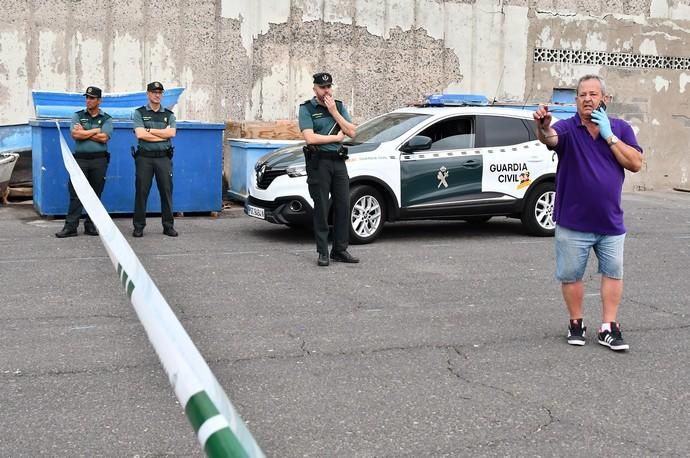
x: 145, y: 153
x: 103, y: 154
x: 328, y: 156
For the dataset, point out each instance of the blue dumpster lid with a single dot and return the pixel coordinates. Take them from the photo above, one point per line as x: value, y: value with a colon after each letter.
x: 123, y: 123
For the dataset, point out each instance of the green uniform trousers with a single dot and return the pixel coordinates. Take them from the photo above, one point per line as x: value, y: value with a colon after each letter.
x: 94, y: 171
x: 146, y: 168
x: 324, y: 177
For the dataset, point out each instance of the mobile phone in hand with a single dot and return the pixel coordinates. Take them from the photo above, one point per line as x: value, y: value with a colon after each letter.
x: 541, y: 121
x: 602, y: 106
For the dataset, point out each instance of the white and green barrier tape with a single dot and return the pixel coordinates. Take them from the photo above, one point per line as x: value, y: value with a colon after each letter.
x: 220, y: 430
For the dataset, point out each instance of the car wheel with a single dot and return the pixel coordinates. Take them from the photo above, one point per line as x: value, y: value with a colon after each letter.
x: 367, y: 214
x: 537, y: 215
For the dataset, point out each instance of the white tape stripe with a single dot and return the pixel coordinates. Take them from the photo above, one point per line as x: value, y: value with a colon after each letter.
x: 210, y: 426
x: 186, y: 368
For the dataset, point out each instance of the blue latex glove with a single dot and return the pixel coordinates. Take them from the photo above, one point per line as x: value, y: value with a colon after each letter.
x: 600, y: 118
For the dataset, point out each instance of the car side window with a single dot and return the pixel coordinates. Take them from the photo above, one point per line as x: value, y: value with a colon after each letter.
x: 449, y: 134
x: 502, y: 131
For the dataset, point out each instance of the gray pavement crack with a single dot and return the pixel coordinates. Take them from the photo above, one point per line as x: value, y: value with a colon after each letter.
x: 453, y: 370
x: 8, y: 374
x: 550, y: 421
x: 656, y: 308
x: 70, y: 319
x: 303, y: 347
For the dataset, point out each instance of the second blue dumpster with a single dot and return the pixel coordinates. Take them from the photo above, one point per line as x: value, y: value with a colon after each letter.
x: 244, y: 153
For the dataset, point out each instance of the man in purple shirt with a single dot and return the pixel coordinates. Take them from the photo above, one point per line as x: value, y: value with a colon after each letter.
x: 593, y: 152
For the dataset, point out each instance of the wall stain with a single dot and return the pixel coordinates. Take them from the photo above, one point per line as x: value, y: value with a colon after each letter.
x: 381, y: 73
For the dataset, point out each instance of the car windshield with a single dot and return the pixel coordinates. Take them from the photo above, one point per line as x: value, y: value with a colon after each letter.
x: 386, y: 128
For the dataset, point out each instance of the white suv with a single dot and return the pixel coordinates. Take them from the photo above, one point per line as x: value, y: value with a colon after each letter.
x: 466, y: 162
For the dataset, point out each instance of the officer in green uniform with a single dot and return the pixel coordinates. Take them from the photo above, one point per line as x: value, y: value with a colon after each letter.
x: 324, y: 122
x: 91, y: 130
x: 154, y: 126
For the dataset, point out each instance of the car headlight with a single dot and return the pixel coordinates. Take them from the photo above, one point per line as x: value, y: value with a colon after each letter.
x: 299, y: 170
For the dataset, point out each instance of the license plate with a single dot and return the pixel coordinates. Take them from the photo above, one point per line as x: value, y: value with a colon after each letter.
x: 255, y: 212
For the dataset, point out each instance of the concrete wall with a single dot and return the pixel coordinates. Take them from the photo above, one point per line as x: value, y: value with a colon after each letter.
x: 253, y: 59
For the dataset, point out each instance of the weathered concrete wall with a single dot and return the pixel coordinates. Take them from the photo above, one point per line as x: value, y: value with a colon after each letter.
x: 253, y: 59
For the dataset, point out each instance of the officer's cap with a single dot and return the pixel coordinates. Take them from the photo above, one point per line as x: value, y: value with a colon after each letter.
x: 323, y: 79
x: 155, y: 86
x: 93, y: 91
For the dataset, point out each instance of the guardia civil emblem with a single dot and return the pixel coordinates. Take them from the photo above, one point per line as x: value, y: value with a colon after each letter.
x: 441, y: 177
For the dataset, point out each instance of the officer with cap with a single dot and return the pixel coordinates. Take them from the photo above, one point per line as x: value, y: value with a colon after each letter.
x: 154, y: 126
x: 91, y: 130
x: 324, y: 121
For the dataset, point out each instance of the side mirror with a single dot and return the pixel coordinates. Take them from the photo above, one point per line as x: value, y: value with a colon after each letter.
x: 417, y: 143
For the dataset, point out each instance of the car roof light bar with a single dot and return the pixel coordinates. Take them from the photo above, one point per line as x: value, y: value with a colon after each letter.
x: 449, y: 100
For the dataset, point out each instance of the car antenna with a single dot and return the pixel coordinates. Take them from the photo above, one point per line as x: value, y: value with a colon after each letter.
x: 500, y: 81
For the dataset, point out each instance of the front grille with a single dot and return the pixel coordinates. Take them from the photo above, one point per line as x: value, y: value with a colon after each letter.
x: 264, y: 180
x: 267, y: 204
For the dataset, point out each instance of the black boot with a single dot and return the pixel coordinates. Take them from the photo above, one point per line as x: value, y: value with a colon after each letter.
x: 90, y: 229
x: 344, y: 256
x: 66, y: 232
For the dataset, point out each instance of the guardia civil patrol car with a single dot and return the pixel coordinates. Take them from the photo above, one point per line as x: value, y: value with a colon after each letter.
x: 469, y: 161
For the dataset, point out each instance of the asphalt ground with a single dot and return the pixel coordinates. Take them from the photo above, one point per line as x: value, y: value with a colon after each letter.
x: 446, y: 340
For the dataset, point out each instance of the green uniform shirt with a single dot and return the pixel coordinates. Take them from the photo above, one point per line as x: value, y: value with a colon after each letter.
x: 314, y: 116
x: 150, y: 119
x: 88, y: 122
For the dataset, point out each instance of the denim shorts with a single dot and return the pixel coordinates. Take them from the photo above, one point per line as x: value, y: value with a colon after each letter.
x: 572, y: 252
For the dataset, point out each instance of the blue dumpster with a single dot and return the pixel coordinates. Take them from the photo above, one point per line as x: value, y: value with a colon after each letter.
x: 244, y: 153
x: 197, y: 168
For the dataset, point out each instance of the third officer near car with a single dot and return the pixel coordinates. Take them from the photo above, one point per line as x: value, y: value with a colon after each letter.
x: 154, y: 127
x: 324, y: 123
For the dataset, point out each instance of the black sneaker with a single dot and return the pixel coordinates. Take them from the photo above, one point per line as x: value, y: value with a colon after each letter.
x: 138, y: 232
x: 576, y: 332
x: 613, y: 338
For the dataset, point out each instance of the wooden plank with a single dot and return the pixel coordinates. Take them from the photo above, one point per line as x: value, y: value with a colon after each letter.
x: 267, y: 130
x: 21, y: 192
x: 270, y: 130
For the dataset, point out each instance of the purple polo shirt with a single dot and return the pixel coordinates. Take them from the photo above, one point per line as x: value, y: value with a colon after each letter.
x: 589, y: 179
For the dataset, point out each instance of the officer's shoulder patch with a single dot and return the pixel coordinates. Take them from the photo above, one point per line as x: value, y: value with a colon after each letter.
x: 142, y: 109
x: 306, y: 102
x: 106, y: 116
x: 81, y: 113
x: 168, y: 111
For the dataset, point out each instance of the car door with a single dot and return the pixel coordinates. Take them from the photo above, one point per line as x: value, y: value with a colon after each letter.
x: 448, y: 172
x: 513, y: 158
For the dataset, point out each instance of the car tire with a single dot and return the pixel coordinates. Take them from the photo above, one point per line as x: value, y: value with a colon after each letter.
x: 537, y: 215
x: 367, y: 214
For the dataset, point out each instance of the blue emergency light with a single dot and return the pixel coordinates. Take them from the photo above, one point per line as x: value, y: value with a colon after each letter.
x: 449, y: 100
x: 562, y: 101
